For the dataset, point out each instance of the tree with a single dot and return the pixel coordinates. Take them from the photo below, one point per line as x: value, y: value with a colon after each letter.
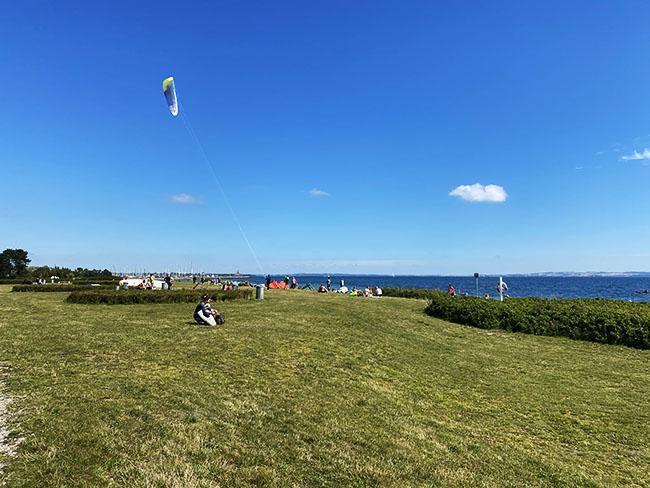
x: 13, y: 262
x: 5, y: 266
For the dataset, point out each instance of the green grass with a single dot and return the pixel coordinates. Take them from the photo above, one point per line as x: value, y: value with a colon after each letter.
x: 309, y: 389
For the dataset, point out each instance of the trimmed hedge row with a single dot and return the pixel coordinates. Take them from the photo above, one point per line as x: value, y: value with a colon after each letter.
x: 122, y: 297
x: 418, y: 293
x: 15, y: 281
x: 88, y: 281
x: 596, y: 320
x: 59, y: 288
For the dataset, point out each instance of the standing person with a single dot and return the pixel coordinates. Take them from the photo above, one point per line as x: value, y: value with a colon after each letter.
x: 194, y: 279
x: 268, y: 281
x: 451, y: 291
x: 294, y: 283
x: 329, y: 283
x: 342, y: 283
x: 286, y: 280
x: 168, y: 280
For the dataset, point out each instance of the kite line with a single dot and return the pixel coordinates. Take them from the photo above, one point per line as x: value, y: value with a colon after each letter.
x: 190, y: 129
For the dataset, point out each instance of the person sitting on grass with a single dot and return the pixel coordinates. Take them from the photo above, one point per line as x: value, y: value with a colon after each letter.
x: 203, y: 313
x: 322, y: 289
x: 377, y: 292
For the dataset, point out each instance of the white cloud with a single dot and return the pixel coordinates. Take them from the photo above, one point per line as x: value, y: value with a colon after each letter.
x: 480, y: 193
x: 315, y: 192
x: 184, y: 199
x: 637, y: 156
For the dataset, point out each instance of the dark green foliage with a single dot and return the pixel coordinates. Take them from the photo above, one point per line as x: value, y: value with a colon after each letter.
x: 68, y: 274
x: 92, y: 274
x: 13, y: 262
x: 16, y: 281
x: 412, y: 293
x: 112, y: 297
x: 605, y: 321
x: 89, y: 281
x: 54, y: 288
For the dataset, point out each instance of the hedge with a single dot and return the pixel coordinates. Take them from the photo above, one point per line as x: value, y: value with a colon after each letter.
x: 419, y: 293
x: 88, y: 281
x: 596, y: 320
x: 16, y: 281
x: 112, y: 297
x: 54, y: 288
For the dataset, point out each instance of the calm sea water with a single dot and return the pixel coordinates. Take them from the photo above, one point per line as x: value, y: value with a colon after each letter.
x: 615, y: 287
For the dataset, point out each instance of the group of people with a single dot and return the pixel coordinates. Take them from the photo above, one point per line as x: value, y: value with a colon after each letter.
x: 148, y: 283
x: 209, y: 280
x: 288, y: 283
x: 501, y: 288
x: 374, y: 291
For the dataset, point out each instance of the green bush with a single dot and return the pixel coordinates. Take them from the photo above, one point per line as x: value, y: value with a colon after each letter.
x: 596, y: 320
x: 90, y: 281
x: 16, y: 281
x: 411, y: 293
x: 112, y: 297
x: 54, y: 288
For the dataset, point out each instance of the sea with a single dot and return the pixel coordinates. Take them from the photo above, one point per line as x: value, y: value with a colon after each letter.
x: 627, y: 288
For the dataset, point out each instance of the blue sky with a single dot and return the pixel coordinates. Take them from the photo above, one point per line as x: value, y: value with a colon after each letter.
x: 382, y: 107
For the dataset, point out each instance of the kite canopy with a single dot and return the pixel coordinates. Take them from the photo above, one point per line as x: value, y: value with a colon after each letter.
x: 170, y: 95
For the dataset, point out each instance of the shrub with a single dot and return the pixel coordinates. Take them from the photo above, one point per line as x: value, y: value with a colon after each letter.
x: 112, y: 297
x: 54, y: 288
x: 411, y: 293
x: 90, y: 281
x: 596, y: 320
x: 15, y: 281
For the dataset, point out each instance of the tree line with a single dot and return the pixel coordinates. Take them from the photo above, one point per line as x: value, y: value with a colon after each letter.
x: 14, y: 264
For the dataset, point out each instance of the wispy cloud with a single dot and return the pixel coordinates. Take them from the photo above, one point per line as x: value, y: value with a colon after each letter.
x: 637, y: 156
x: 184, y: 199
x: 316, y: 193
x: 480, y: 193
x: 579, y: 168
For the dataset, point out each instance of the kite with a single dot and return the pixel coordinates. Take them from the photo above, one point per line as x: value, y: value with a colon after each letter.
x: 170, y: 95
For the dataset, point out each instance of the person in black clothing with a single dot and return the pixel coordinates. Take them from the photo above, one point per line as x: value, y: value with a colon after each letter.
x: 203, y: 313
x: 268, y: 281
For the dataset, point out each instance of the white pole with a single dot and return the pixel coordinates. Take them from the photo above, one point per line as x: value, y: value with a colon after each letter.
x: 501, y: 288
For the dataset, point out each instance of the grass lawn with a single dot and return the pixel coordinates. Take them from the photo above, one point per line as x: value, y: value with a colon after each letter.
x: 305, y: 389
